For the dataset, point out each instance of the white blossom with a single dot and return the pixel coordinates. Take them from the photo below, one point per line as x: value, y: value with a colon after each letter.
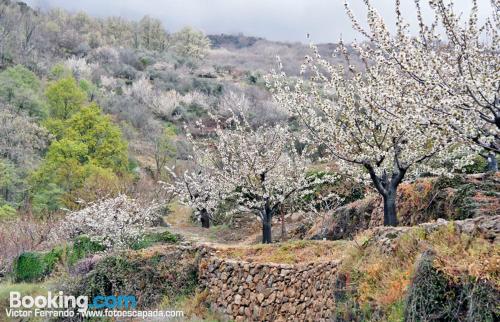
x: 374, y: 122
x: 79, y: 67
x: 116, y: 222
x: 455, y: 58
x: 258, y: 169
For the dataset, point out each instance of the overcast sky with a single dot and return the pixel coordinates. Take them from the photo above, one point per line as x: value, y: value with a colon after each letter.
x: 283, y: 20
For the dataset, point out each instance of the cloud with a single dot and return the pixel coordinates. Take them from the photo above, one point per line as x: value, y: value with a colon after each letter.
x: 284, y: 20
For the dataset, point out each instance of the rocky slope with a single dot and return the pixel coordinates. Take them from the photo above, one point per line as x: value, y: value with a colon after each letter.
x: 425, y: 200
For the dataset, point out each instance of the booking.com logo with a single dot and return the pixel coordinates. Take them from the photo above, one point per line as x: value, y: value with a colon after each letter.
x: 81, y: 303
x: 58, y: 305
x: 114, y: 302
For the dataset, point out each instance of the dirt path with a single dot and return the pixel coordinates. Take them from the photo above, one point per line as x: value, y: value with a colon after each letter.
x: 196, y: 235
x: 246, y: 232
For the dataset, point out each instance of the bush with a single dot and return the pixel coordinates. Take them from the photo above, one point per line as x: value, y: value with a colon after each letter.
x: 81, y: 248
x: 479, y: 165
x: 33, y: 267
x: 430, y: 294
x: 7, y: 213
x: 153, y: 238
x: 433, y: 296
x: 149, y: 276
x: 117, y: 222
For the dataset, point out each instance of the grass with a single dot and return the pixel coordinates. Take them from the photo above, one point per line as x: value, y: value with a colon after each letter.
x: 153, y: 238
x: 378, y: 280
x: 291, y: 252
x: 32, y: 289
x: 193, y: 306
x: 217, y: 230
x: 382, y: 280
x: 35, y: 266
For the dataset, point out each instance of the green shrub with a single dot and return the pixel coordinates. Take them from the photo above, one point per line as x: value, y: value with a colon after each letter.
x: 7, y: 213
x: 52, y: 258
x: 34, y: 266
x: 81, y: 248
x: 433, y: 296
x: 153, y: 238
x: 29, y: 267
x: 152, y: 278
x: 479, y: 165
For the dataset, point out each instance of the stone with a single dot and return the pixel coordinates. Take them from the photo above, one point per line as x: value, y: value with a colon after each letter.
x: 256, y: 311
x: 260, y: 287
x: 267, y: 292
x: 270, y: 281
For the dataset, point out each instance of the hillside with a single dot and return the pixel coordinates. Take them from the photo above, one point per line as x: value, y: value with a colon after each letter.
x: 232, y: 178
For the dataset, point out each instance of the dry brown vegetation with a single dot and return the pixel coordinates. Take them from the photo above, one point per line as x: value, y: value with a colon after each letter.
x: 293, y: 252
x: 26, y: 234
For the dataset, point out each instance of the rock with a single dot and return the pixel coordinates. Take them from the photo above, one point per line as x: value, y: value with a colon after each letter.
x: 271, y: 297
x: 272, y: 292
x: 256, y: 311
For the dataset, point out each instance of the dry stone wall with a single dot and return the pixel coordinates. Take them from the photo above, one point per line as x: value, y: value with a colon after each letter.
x: 269, y: 292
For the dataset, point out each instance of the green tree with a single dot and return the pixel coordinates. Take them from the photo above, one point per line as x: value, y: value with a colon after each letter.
x: 47, y: 198
x: 89, y: 149
x: 65, y: 98
x: 20, y: 88
x: 59, y: 71
x: 152, y: 34
x: 63, y: 164
x: 190, y: 43
x: 106, y: 147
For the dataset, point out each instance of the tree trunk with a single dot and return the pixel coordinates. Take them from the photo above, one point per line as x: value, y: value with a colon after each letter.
x: 283, y: 225
x: 388, y: 188
x: 266, y: 227
x: 390, y: 213
x: 205, y: 219
x: 492, y: 162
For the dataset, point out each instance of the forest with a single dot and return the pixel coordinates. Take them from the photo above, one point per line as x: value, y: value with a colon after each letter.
x: 130, y: 156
